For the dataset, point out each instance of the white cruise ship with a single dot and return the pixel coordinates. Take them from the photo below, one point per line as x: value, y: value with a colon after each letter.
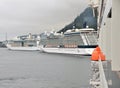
x: 27, y: 42
x: 76, y: 41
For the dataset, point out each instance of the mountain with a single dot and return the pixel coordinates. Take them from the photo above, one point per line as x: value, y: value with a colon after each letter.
x: 86, y: 18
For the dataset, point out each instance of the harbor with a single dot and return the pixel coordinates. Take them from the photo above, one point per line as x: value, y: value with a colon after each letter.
x: 82, y: 54
x: 42, y: 70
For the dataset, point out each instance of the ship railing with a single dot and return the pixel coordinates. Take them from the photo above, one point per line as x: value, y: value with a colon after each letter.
x: 103, y: 81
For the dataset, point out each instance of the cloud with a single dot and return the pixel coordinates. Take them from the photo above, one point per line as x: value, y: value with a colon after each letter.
x: 23, y: 16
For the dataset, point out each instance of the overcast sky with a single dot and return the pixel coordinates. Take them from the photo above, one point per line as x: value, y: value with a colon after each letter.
x: 19, y: 17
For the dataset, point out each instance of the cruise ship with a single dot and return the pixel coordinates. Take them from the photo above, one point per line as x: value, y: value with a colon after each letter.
x: 25, y: 42
x: 74, y: 41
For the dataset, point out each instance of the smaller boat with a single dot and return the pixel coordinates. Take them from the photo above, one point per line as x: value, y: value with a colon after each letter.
x: 27, y: 42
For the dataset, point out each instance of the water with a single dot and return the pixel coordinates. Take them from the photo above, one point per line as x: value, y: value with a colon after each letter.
x: 26, y: 69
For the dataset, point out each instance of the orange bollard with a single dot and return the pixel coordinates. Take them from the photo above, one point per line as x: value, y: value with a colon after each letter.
x: 95, y: 56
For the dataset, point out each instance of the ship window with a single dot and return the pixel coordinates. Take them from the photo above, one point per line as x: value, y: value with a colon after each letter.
x: 110, y: 14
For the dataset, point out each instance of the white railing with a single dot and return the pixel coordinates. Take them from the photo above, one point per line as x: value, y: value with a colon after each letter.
x: 103, y: 81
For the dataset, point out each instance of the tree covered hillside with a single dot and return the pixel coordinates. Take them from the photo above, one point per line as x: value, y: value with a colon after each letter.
x: 86, y: 18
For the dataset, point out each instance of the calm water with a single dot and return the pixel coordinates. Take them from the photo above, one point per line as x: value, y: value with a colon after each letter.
x: 25, y: 69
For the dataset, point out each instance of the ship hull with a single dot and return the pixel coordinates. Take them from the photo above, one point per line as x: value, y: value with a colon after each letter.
x: 79, y: 51
x: 33, y: 48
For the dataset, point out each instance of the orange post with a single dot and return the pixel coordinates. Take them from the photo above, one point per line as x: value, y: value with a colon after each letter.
x: 97, y: 54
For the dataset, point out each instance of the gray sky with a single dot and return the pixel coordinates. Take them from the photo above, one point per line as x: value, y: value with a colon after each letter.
x: 19, y: 17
